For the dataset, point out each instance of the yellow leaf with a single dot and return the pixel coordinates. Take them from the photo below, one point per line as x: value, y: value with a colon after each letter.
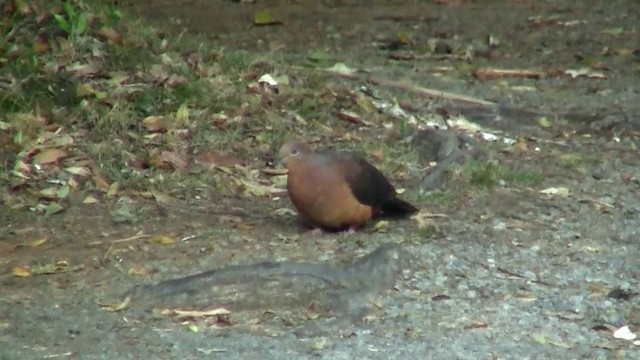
x: 162, y: 239
x: 83, y: 90
x: 89, y: 200
x: 22, y: 271
x: 182, y: 115
x: 381, y: 225
x: 114, y: 307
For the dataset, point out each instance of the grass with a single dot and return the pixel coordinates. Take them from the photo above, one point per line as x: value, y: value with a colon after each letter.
x: 88, y: 75
x: 491, y: 173
x: 576, y: 161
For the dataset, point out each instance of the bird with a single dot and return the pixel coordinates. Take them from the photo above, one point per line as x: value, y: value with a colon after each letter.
x: 337, y: 191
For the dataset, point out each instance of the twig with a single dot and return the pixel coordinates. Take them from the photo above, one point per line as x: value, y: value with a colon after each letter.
x: 597, y: 202
x: 510, y: 273
x: 431, y: 93
x: 137, y: 236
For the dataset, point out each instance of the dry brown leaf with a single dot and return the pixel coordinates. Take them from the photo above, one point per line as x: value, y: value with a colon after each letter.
x: 476, y: 324
x: 219, y: 119
x: 109, y: 34
x: 83, y: 70
x: 213, y: 159
x: 115, y: 307
x: 101, y: 182
x: 422, y: 218
x: 169, y: 159
x: 41, y: 45
x: 257, y: 189
x: 352, y: 117
x: 140, y: 270
x: 48, y: 156
x: 376, y: 155
x: 155, y: 123
x: 78, y: 170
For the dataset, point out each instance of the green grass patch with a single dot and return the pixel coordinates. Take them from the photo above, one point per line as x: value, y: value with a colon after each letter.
x: 482, y: 173
x: 575, y: 160
x: 490, y: 173
x: 93, y: 100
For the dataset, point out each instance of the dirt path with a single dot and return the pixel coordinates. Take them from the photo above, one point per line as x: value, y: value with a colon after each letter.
x: 545, y: 264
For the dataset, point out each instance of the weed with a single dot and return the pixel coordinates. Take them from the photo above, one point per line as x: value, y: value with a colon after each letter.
x: 523, y: 175
x: 74, y: 21
x: 483, y: 173
x: 575, y: 160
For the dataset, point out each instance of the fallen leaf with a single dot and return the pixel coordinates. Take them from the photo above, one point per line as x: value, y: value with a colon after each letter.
x: 539, y: 338
x: 163, y: 199
x: 109, y: 34
x: 560, y: 191
x: 612, y: 31
x: 21, y: 271
x: 83, y: 90
x: 257, y: 189
x: 340, y: 69
x: 182, y: 115
x: 544, y: 122
x: 422, y: 218
x: 624, y: 333
x: 169, y: 159
x: 53, y: 208
x: 264, y: 17
x: 48, y: 156
x: 381, y: 226
x: 162, y: 239
x: 115, y: 307
x: 140, y: 270
x: 78, y: 170
x: 196, y: 313
x: 352, y: 117
x: 89, y: 200
x: 34, y: 243
x: 477, y: 324
x: 284, y: 212
x: 585, y: 72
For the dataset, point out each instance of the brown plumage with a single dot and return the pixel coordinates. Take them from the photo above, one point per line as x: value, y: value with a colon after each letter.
x: 337, y: 191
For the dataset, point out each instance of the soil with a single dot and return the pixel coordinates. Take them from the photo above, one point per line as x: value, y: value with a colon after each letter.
x: 509, y: 273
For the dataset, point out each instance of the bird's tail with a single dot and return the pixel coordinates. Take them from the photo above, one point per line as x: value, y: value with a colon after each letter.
x: 395, y: 206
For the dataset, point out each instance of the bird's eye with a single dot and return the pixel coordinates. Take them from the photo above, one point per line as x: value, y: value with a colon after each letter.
x: 294, y: 152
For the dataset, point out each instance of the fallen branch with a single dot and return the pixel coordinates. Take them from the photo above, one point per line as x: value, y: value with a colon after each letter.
x: 406, y: 86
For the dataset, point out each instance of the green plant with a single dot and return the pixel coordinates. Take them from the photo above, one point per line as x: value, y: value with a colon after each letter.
x: 484, y: 173
x: 73, y: 23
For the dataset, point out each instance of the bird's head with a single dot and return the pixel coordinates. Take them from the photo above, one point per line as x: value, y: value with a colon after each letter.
x: 292, y: 152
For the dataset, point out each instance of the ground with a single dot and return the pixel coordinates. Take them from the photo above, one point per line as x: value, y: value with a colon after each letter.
x: 135, y: 151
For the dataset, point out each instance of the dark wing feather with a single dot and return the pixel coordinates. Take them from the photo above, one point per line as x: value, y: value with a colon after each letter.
x: 372, y: 188
x: 367, y: 183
